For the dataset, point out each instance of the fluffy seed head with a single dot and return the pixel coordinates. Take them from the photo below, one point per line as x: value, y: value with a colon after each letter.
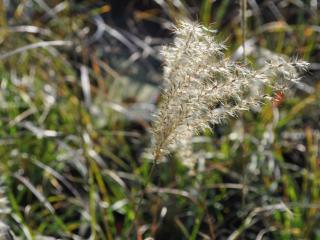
x: 204, y: 87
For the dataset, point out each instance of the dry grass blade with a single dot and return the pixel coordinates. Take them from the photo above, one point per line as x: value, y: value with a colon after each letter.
x: 5, y: 233
x: 58, y: 176
x: 42, y: 44
x: 102, y: 27
x: 38, y: 194
x: 250, y: 220
x: 29, y: 29
x: 85, y: 83
x: 4, y: 211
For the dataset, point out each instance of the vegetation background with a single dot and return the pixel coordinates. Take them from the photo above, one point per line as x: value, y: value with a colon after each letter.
x: 79, y: 82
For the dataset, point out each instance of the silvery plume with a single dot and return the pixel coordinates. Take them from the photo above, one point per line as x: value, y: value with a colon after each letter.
x: 202, y: 86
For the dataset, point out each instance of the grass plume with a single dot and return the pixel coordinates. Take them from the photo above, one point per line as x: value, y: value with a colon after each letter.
x: 203, y: 87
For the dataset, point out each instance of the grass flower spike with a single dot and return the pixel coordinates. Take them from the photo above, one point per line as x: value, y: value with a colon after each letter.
x: 203, y: 87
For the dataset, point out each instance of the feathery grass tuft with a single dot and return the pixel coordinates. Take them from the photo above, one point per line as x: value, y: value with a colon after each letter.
x: 202, y: 86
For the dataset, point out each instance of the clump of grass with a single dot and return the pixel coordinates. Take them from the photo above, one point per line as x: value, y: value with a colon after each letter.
x: 203, y: 86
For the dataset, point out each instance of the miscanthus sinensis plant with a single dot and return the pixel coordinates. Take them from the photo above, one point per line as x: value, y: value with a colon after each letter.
x: 202, y: 86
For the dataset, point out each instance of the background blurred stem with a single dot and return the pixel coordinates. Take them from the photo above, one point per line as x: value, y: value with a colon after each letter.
x: 243, y: 4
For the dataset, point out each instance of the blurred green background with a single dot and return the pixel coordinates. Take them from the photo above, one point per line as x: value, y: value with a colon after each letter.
x: 79, y: 82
